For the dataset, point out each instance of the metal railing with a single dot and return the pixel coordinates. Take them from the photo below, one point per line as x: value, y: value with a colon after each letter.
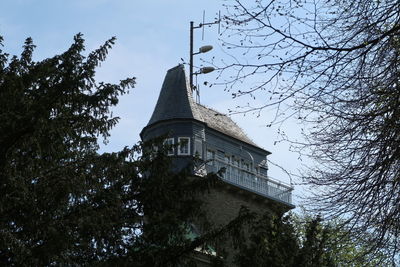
x: 252, y: 181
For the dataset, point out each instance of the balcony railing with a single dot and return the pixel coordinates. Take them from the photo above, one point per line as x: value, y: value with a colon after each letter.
x: 252, y: 181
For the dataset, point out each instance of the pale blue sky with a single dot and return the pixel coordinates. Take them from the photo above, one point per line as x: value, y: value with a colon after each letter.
x: 152, y: 36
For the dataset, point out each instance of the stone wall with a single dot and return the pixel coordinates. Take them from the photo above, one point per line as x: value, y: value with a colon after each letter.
x: 222, y: 205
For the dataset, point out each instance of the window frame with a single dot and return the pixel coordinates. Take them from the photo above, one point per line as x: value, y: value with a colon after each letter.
x: 171, y: 149
x: 210, y: 160
x: 188, y: 146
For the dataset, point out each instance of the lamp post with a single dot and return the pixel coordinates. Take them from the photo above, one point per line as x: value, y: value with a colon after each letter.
x: 202, y: 49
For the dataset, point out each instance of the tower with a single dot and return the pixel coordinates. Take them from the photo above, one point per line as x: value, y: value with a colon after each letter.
x: 215, y: 138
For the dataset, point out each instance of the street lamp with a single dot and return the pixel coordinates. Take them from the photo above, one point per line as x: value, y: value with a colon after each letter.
x: 203, y: 49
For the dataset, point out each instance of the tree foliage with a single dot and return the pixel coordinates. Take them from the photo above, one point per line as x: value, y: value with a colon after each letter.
x: 334, y: 65
x: 63, y: 203
x: 304, y: 240
x: 60, y: 202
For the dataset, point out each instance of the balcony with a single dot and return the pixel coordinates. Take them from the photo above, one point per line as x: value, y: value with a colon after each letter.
x: 251, y: 181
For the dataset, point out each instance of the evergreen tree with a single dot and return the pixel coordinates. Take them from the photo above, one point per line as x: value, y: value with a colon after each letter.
x: 63, y: 203
x: 60, y: 201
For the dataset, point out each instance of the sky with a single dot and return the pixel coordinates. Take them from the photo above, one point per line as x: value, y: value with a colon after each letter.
x: 152, y: 37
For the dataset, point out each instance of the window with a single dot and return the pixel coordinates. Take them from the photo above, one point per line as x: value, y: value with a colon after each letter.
x: 220, y: 155
x: 169, y: 143
x: 210, y: 157
x: 235, y: 162
x: 245, y: 165
x: 183, y: 146
x: 153, y: 151
x: 198, y: 147
x: 227, y: 159
x: 263, y: 171
x: 236, y: 173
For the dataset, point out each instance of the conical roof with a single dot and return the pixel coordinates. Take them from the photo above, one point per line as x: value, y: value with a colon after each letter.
x: 175, y: 100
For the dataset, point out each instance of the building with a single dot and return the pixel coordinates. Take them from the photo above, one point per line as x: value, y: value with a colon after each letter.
x: 201, y: 131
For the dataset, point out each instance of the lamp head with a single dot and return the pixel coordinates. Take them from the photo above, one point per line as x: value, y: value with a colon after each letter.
x: 205, y: 48
x: 206, y: 70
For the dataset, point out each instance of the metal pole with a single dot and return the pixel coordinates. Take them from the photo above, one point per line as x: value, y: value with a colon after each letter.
x: 191, y: 56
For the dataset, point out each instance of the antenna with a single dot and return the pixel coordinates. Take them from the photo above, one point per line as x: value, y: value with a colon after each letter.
x: 219, y: 22
x: 202, y: 49
x: 202, y: 34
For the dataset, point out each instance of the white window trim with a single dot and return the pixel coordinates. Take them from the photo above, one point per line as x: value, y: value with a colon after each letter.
x: 179, y: 146
x: 171, y: 150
